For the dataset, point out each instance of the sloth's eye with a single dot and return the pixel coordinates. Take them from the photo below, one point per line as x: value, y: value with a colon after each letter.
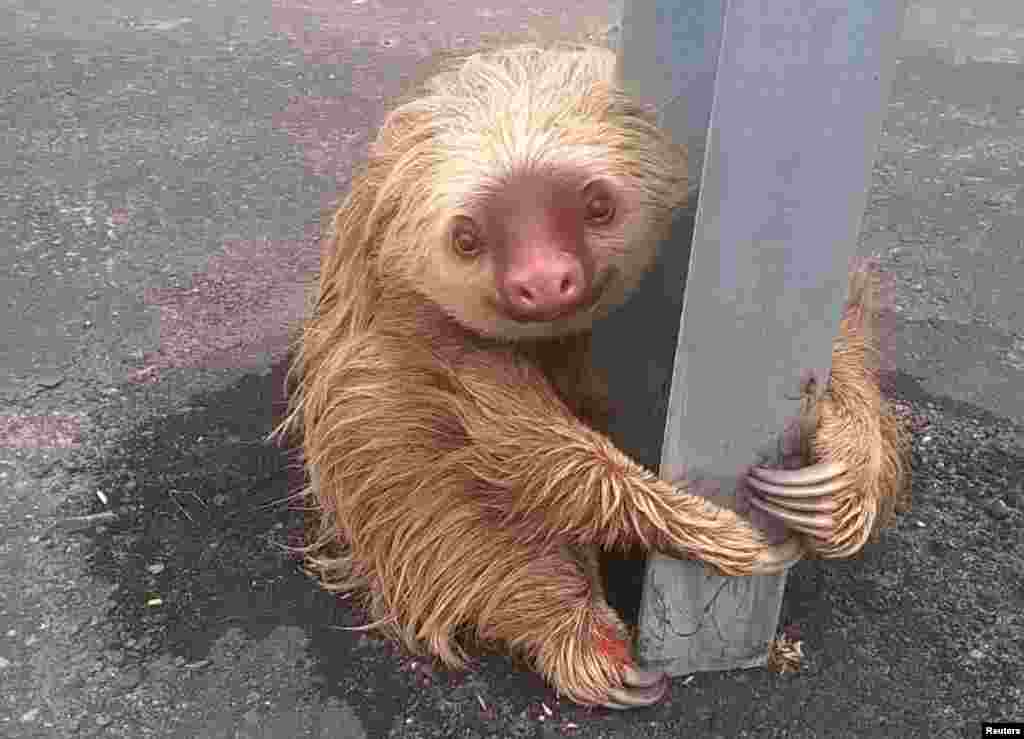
x: 466, y: 241
x: 600, y: 208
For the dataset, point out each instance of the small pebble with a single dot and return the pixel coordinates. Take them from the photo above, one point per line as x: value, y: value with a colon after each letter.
x: 998, y: 509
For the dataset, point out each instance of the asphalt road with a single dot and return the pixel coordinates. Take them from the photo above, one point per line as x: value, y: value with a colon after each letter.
x: 163, y: 169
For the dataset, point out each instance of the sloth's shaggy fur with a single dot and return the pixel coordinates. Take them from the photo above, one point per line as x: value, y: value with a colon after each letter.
x: 855, y: 425
x: 463, y: 482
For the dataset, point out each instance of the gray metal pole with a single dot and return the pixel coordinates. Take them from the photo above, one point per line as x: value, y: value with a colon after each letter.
x: 781, y: 104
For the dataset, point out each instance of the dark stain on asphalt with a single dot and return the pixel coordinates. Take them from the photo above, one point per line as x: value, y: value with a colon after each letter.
x: 201, y: 544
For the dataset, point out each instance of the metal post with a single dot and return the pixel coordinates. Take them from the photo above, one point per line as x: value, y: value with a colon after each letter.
x: 782, y: 105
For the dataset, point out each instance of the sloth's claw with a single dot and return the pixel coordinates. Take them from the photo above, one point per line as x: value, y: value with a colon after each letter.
x: 815, y: 525
x: 638, y: 678
x: 802, y: 499
x: 640, y: 688
x: 818, y: 479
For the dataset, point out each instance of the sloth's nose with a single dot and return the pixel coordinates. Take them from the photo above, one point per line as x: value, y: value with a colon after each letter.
x: 545, y: 289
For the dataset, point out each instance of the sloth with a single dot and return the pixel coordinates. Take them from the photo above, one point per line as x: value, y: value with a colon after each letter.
x: 451, y: 421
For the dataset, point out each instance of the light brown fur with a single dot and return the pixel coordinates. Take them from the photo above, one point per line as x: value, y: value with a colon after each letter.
x: 857, y: 426
x: 456, y: 457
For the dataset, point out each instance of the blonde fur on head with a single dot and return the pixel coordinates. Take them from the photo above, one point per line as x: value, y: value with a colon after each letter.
x: 462, y: 480
x: 469, y: 130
